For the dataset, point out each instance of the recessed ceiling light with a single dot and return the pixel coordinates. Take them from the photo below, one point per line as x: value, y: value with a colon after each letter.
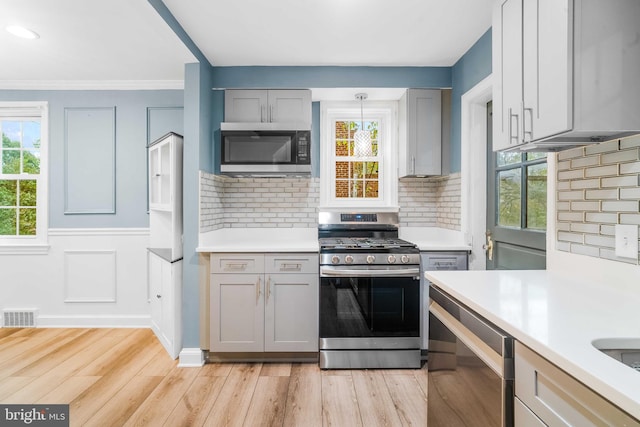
x: 22, y: 32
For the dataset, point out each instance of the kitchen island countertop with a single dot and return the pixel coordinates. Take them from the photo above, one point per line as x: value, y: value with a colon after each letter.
x: 559, y: 315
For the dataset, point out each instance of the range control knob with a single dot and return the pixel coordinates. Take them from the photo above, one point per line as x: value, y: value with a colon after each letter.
x: 335, y: 259
x: 371, y: 259
x: 404, y: 259
x: 391, y: 259
x: 348, y: 259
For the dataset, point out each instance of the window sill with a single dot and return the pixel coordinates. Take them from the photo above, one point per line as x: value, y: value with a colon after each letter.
x: 24, y: 249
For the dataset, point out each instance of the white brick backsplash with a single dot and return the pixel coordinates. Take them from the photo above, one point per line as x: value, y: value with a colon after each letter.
x: 602, y: 241
x: 630, y: 168
x: 608, y: 194
x: 585, y: 206
x: 609, y: 170
x: 571, y: 174
x: 571, y: 154
x: 585, y: 183
x: 630, y: 219
x: 611, y: 196
x: 604, y: 147
x: 293, y: 202
x: 632, y: 141
x: 630, y: 193
x: 582, y: 162
x: 570, y: 195
x: 620, y: 181
x: 620, y: 156
x: 564, y: 236
x: 606, y: 218
x: 584, y: 228
x: 620, y: 206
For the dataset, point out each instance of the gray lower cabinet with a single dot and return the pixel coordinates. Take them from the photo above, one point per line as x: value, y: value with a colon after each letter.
x: 547, y: 394
x: 264, y: 302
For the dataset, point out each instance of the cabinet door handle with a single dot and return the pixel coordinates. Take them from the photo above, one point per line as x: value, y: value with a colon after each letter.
x: 268, y: 286
x: 158, y: 296
x: 262, y: 110
x: 413, y: 164
x: 524, y: 124
x: 271, y: 114
x: 258, y: 290
x: 511, y: 117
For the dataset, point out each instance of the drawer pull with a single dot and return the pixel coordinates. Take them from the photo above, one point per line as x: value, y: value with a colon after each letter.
x: 235, y: 266
x: 290, y: 267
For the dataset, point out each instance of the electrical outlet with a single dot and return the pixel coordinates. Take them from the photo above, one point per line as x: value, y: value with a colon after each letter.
x: 627, y: 241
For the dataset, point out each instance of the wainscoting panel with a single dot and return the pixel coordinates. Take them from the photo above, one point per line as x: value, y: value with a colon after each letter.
x: 90, y: 276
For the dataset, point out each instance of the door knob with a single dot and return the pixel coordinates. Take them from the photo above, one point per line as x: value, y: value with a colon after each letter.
x: 489, y: 247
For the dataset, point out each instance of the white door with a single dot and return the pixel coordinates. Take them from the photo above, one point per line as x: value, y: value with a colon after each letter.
x: 291, y: 312
x: 237, y: 312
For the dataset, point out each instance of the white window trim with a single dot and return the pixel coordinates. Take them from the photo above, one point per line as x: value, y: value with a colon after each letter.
x: 386, y: 113
x: 38, y: 244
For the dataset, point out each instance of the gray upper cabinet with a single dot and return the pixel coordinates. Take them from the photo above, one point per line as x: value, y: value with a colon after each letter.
x: 420, y: 133
x: 268, y: 106
x: 563, y: 72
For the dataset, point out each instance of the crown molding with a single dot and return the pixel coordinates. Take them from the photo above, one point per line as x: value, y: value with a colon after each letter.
x: 91, y: 84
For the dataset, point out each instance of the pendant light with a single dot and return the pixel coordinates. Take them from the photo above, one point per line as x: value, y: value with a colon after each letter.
x: 362, y: 138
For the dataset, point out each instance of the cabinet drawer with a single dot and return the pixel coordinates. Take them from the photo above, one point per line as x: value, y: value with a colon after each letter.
x: 237, y: 263
x: 559, y: 399
x: 292, y: 263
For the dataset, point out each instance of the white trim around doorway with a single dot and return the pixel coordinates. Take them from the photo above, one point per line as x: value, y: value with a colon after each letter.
x: 473, y: 168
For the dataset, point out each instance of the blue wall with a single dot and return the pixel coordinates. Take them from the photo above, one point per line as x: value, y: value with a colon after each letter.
x: 471, y: 69
x: 306, y: 77
x: 132, y: 130
x: 197, y: 155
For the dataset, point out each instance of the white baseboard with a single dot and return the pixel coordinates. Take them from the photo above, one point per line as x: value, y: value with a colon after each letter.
x: 191, y: 358
x: 100, y: 321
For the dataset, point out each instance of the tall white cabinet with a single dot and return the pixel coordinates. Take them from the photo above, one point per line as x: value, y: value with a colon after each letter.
x: 165, y: 241
x: 564, y: 72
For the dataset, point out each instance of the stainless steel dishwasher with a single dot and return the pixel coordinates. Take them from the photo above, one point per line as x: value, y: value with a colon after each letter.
x: 433, y: 261
x: 470, y: 367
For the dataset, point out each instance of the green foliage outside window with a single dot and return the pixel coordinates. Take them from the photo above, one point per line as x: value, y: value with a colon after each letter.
x: 515, y: 193
x: 18, y: 192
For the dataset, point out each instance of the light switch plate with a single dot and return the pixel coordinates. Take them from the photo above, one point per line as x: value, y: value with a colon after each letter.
x: 627, y: 241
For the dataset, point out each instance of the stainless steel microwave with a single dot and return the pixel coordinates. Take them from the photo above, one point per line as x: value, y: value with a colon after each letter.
x: 266, y: 152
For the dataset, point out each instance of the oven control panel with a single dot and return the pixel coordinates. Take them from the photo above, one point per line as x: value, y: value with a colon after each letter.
x: 369, y: 259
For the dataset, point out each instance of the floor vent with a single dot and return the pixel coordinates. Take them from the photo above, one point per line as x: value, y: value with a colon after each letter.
x: 19, y: 319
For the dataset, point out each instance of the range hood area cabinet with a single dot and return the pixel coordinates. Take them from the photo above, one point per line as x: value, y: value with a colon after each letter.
x: 565, y: 73
x: 420, y: 133
x: 289, y: 107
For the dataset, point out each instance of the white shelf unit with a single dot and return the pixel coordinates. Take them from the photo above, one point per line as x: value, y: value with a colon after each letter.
x: 165, y: 240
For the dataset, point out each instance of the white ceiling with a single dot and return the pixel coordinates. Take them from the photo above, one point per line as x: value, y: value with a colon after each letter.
x: 127, y: 41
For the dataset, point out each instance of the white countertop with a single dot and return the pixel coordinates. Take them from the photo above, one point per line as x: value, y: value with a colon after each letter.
x: 434, y: 238
x: 558, y: 315
x: 259, y: 240
x: 306, y: 239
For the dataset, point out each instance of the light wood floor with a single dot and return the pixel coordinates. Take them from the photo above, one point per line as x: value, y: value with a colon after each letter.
x: 114, y: 377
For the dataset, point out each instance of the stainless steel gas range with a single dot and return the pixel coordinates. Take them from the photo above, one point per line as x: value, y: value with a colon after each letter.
x: 369, y: 293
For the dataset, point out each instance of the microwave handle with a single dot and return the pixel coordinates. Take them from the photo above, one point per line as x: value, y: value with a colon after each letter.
x: 262, y: 111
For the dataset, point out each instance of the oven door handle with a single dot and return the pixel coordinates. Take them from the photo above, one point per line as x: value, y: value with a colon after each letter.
x: 368, y: 272
x: 468, y: 338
